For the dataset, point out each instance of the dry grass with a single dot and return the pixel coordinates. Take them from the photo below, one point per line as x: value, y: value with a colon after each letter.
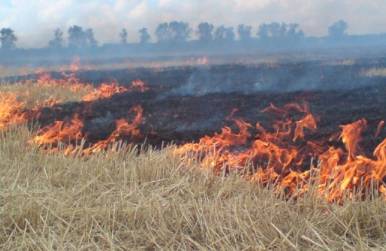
x: 152, y: 201
x: 32, y: 94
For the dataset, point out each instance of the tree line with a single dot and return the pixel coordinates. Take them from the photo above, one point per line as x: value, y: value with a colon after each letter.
x: 178, y: 32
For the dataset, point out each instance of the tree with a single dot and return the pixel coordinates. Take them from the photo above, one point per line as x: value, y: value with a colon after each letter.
x: 224, y: 34
x: 263, y: 32
x: 123, y: 36
x: 180, y: 31
x: 205, y: 32
x: 173, y: 32
x: 294, y: 31
x: 7, y: 38
x: 76, y: 37
x: 277, y: 30
x: 90, y: 38
x: 162, y: 33
x: 79, y: 38
x: 245, y: 32
x: 57, y: 41
x: 280, y: 31
x: 338, y: 29
x: 144, y: 36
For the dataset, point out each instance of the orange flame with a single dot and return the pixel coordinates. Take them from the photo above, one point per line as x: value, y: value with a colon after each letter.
x: 123, y: 129
x: 70, y: 133
x: 139, y: 85
x: 278, y: 158
x: 277, y: 154
x: 358, y: 173
x: 107, y: 90
x: 351, y: 135
x: 308, y: 122
x: 60, y: 132
x: 10, y: 110
x: 70, y: 82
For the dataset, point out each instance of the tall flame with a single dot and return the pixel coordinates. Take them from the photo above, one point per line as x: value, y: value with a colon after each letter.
x: 278, y: 156
x: 10, y: 110
x: 351, y: 135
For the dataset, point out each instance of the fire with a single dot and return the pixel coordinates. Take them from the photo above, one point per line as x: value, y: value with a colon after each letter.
x: 284, y: 157
x: 75, y: 65
x: 202, y: 61
x: 351, y: 135
x: 217, y: 146
x: 357, y: 174
x: 70, y: 133
x: 268, y: 148
x: 308, y: 122
x: 60, y: 132
x: 283, y: 153
x: 10, y: 110
x: 107, y: 90
x: 13, y: 106
x: 17, y: 108
x: 124, y: 129
x: 69, y: 81
x: 138, y: 85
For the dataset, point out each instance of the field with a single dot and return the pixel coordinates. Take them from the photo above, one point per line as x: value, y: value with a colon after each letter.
x: 86, y: 165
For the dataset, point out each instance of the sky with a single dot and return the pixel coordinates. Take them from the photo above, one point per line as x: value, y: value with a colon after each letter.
x: 35, y: 20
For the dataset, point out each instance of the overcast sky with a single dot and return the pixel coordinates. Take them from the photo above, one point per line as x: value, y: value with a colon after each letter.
x: 35, y: 20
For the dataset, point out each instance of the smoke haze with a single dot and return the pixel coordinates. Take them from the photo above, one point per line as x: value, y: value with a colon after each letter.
x: 35, y: 20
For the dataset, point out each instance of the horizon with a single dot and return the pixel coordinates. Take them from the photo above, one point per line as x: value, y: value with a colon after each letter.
x: 35, y: 22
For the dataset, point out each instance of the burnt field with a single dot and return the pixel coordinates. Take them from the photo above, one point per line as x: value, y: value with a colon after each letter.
x: 186, y: 103
x: 269, y: 156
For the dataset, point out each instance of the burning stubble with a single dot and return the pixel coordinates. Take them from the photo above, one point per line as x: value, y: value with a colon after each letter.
x: 286, y: 154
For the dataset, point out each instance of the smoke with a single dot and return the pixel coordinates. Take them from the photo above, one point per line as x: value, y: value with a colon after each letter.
x: 204, y: 81
x: 35, y: 21
x: 300, y: 76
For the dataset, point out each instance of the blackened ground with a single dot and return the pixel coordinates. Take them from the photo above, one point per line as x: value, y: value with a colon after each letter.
x: 245, y: 79
x: 186, y: 103
x: 181, y: 119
